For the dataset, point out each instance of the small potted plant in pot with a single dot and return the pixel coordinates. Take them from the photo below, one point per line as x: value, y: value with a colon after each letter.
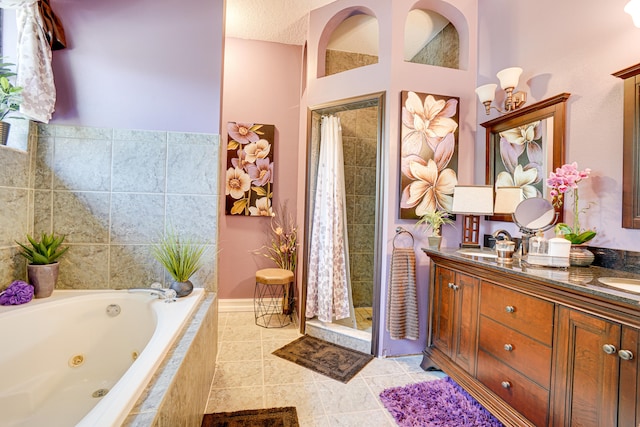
x: 43, y: 267
x: 434, y: 220
x: 181, y: 257
x: 10, y: 99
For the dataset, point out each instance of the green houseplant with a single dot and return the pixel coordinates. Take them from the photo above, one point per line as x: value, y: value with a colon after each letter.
x: 434, y: 221
x: 43, y: 267
x: 181, y: 257
x: 10, y: 98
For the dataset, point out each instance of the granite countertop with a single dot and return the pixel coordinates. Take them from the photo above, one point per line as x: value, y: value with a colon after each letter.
x: 580, y: 279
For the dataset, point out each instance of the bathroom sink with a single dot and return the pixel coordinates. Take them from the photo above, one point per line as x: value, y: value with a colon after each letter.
x: 479, y: 252
x: 632, y: 285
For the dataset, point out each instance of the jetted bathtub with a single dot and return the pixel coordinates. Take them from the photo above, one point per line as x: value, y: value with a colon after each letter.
x: 84, y: 357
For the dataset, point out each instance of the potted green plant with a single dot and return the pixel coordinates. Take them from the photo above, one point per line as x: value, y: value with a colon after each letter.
x: 181, y: 257
x: 434, y: 220
x: 10, y: 99
x: 43, y: 267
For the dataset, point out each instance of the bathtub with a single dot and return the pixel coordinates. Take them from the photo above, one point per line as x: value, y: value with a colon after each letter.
x: 84, y: 357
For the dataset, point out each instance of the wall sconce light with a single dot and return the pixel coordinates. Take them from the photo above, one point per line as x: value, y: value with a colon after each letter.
x: 472, y: 201
x: 508, y: 82
x: 633, y: 9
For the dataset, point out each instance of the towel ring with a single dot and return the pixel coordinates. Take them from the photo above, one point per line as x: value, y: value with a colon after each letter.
x: 400, y: 231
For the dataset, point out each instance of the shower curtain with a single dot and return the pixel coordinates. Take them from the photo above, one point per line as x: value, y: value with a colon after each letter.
x: 328, y: 285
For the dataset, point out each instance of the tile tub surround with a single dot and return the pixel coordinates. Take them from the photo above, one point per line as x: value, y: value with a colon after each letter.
x: 179, y: 391
x: 111, y: 192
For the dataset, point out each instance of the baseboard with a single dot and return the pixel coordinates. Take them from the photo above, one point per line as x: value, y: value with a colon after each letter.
x: 235, y: 305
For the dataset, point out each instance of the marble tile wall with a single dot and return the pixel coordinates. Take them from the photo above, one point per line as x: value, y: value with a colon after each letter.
x: 359, y: 138
x: 112, y: 192
x: 16, y: 196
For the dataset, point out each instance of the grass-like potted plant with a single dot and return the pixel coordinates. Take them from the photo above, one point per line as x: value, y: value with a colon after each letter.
x: 10, y: 98
x: 434, y: 220
x: 181, y: 257
x: 43, y: 267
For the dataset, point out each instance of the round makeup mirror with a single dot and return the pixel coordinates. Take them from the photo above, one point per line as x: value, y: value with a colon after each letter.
x: 534, y: 214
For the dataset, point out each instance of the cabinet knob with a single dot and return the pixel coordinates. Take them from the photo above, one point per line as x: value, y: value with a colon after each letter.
x: 508, y: 347
x: 506, y: 384
x: 625, y: 354
x: 510, y: 309
x: 450, y: 285
x: 609, y: 348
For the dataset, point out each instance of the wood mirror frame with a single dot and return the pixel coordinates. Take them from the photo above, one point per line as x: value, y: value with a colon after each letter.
x: 552, y: 108
x: 631, y: 147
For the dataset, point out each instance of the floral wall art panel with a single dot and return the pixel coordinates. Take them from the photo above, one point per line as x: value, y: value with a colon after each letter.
x: 428, y: 153
x: 249, y: 176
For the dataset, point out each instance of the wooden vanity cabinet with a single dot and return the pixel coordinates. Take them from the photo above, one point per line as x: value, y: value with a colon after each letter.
x: 455, y: 301
x: 596, y: 379
x: 532, y: 352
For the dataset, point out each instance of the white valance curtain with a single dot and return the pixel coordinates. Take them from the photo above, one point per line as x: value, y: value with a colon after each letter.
x: 34, y: 71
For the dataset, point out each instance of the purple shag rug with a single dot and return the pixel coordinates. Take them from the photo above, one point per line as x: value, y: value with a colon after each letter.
x: 438, y: 403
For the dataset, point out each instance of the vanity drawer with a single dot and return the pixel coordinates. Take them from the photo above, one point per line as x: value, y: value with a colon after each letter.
x: 530, y: 315
x: 522, y: 394
x: 530, y: 357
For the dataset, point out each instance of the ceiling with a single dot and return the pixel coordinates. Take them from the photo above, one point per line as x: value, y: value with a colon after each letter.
x: 279, y: 21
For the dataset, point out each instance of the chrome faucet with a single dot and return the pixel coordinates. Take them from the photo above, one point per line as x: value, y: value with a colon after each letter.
x: 168, y: 295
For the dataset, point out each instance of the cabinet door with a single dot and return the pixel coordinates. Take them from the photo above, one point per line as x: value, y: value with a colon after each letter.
x: 443, y: 306
x: 465, y: 334
x: 585, y: 386
x: 629, y: 406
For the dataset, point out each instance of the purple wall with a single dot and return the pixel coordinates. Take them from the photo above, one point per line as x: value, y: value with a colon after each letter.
x: 261, y: 85
x: 144, y: 64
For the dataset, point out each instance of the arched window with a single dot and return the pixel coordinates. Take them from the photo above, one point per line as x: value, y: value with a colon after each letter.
x: 353, y: 44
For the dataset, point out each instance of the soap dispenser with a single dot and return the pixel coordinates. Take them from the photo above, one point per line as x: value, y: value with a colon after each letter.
x: 538, y: 245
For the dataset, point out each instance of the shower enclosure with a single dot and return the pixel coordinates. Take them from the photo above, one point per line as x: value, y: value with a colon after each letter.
x: 361, y: 121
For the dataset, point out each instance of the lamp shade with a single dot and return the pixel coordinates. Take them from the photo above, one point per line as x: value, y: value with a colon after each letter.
x: 486, y: 92
x: 507, y: 198
x: 509, y: 77
x: 633, y: 9
x: 472, y: 200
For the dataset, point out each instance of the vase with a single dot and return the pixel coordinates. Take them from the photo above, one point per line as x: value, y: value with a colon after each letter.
x: 43, y: 278
x: 580, y: 256
x: 434, y: 242
x: 182, y: 288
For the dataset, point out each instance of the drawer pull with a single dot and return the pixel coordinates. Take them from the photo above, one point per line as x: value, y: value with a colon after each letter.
x: 506, y: 384
x: 508, y: 347
x: 510, y: 309
x: 609, y: 348
x: 625, y: 354
x: 452, y: 286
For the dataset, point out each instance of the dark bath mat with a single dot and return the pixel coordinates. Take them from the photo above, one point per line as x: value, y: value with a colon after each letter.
x: 272, y: 417
x: 437, y: 403
x: 335, y: 361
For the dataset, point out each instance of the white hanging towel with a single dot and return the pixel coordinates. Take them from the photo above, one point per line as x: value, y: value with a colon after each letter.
x: 328, y: 278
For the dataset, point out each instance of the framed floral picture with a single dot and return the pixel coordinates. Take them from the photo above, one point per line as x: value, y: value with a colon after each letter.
x: 428, y: 153
x: 524, y: 146
x: 249, y: 176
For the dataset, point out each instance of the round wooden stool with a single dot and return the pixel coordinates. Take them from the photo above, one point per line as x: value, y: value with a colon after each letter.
x: 273, y: 298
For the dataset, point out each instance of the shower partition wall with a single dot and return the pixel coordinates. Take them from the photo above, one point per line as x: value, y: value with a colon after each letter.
x: 361, y: 120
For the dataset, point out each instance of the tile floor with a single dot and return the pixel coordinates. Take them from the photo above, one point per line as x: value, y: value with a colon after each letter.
x: 248, y: 376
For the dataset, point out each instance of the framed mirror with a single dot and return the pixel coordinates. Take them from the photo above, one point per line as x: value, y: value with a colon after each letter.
x: 631, y: 147
x: 524, y: 146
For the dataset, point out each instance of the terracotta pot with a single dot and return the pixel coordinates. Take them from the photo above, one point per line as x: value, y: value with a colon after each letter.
x: 43, y: 278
